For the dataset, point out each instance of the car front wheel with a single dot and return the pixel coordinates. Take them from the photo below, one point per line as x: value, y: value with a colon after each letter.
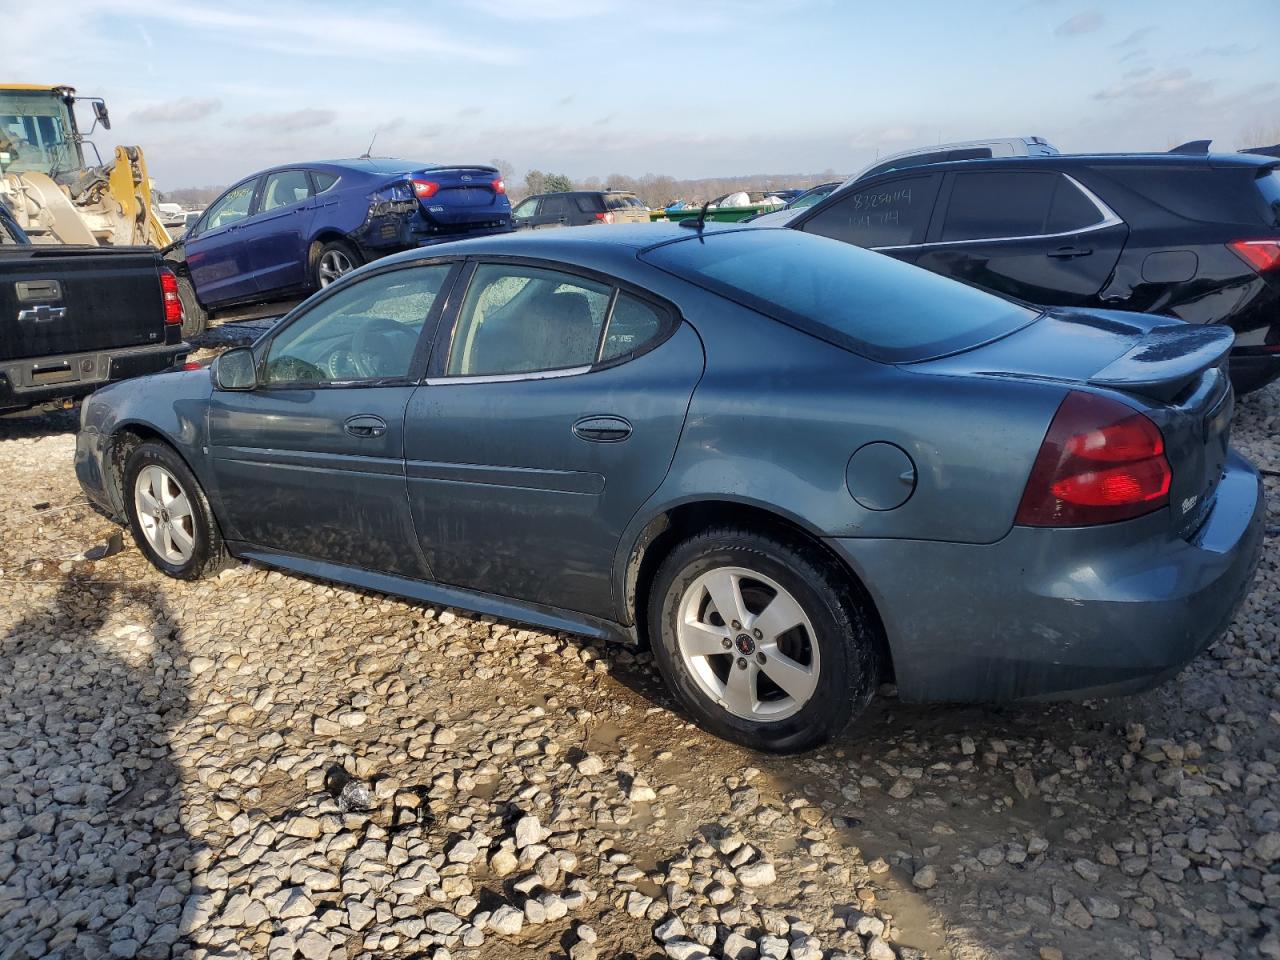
x: 761, y: 639
x: 169, y: 514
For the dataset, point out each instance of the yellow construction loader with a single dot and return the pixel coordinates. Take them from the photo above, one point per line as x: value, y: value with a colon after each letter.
x: 53, y: 193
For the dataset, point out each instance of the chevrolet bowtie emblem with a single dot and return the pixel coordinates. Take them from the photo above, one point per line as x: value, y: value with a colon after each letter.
x: 42, y: 313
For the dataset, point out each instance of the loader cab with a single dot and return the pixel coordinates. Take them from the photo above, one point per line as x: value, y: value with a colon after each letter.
x: 38, y: 132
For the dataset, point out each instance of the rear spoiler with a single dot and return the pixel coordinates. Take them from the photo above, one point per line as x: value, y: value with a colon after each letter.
x: 1166, y: 360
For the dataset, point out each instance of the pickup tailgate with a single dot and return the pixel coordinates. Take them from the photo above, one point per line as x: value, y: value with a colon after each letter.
x: 58, y: 299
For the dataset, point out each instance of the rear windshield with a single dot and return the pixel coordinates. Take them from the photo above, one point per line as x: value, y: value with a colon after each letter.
x: 1269, y: 185
x: 864, y: 301
x: 617, y: 201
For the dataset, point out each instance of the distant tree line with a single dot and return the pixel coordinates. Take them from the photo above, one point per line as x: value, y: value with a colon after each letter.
x: 659, y: 190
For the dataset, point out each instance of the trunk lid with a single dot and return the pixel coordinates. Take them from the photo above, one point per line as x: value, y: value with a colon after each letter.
x: 1175, y: 373
x: 57, y: 299
x: 464, y: 196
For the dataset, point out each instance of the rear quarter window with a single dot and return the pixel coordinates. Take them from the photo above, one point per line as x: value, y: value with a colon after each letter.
x: 866, y: 302
x: 1201, y: 193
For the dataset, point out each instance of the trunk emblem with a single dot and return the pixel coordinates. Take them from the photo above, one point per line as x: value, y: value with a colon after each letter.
x: 42, y: 313
x: 466, y: 177
x: 1189, y: 502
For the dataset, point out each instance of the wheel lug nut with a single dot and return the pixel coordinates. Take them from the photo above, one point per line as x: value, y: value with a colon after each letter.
x: 742, y: 663
x: 726, y: 643
x: 737, y: 625
x: 760, y: 659
x: 758, y: 633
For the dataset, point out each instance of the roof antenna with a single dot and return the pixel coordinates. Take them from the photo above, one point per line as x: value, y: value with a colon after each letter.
x: 700, y: 222
x: 368, y: 154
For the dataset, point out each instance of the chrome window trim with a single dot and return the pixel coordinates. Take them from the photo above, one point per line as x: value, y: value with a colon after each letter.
x: 1109, y: 219
x: 510, y: 377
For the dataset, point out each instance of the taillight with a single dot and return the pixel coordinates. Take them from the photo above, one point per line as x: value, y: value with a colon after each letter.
x: 499, y: 186
x: 1259, y: 254
x: 172, y: 303
x: 1100, y: 461
x: 193, y: 365
x: 605, y: 217
x: 424, y: 188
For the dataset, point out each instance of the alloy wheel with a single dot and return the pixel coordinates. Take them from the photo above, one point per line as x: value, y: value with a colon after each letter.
x: 748, y: 644
x: 333, y: 264
x: 164, y: 514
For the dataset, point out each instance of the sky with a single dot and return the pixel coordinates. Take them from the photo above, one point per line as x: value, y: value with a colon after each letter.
x: 690, y: 88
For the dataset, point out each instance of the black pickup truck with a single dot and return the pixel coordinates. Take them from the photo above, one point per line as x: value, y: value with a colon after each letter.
x: 75, y: 318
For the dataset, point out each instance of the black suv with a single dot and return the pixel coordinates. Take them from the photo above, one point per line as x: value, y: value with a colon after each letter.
x: 1195, y: 237
x: 578, y: 208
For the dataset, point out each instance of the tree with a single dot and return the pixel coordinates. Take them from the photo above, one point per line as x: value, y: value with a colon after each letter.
x: 557, y: 183
x: 505, y: 169
x: 535, y: 181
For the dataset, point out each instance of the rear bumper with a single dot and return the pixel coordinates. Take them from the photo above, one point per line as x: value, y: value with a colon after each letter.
x: 1063, y: 614
x: 36, y: 380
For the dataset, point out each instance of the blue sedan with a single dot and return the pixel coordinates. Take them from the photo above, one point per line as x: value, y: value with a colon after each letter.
x: 285, y: 232
x: 792, y: 467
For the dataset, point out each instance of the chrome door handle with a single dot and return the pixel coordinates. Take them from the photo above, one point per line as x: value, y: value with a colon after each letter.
x: 365, y: 426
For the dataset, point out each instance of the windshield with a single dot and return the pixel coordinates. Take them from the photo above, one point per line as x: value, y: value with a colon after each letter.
x: 864, y: 301
x: 36, y: 133
x: 810, y: 197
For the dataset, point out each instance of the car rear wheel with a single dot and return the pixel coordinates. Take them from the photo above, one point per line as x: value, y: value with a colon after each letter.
x: 169, y: 514
x: 761, y: 639
x: 333, y: 260
x: 195, y: 319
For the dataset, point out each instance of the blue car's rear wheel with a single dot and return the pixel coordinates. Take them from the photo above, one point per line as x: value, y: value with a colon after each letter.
x: 333, y: 260
x: 761, y: 639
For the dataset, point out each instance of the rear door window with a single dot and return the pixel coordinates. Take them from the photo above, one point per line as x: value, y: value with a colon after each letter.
x: 285, y: 189
x: 888, y: 214
x: 554, y: 207
x: 998, y: 204
x: 518, y: 319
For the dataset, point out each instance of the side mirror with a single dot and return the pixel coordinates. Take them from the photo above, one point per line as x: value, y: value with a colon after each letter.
x: 237, y: 370
x: 100, y: 114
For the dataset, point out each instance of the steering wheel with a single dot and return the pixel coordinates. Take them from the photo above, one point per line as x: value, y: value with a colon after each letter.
x: 378, y: 340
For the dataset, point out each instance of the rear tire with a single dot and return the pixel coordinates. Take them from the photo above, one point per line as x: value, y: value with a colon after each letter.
x: 796, y: 619
x: 333, y: 260
x: 195, y: 319
x: 169, y: 515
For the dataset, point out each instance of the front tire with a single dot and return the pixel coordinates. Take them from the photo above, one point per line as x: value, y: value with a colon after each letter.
x: 792, y: 661
x: 169, y: 515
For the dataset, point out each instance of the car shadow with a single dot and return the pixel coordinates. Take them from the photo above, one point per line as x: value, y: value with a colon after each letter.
x: 93, y: 853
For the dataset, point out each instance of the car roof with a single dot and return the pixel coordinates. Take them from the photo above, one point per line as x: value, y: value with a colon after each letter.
x: 379, y: 166
x: 1068, y: 161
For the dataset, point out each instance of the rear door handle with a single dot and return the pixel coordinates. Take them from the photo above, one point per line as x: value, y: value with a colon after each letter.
x: 366, y: 426
x: 602, y: 429
x: 1067, y: 253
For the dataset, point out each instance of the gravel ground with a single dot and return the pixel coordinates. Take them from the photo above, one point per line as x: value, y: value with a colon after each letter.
x: 266, y: 766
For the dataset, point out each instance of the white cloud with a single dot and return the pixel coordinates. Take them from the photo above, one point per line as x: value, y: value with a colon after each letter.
x: 182, y: 110
x: 1081, y: 23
